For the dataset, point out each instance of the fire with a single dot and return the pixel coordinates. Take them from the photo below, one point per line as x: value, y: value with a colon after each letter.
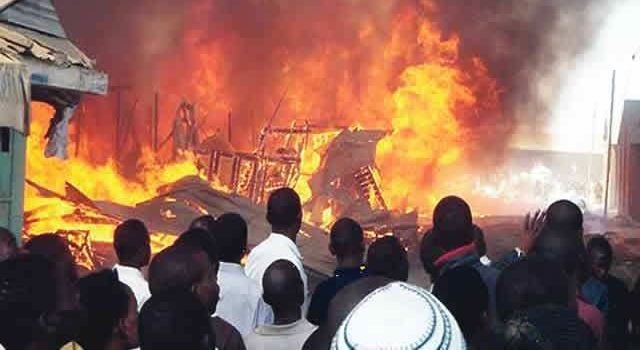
x: 97, y: 181
x: 391, y: 69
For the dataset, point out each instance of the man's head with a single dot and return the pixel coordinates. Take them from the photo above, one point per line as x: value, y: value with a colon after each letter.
x: 600, y: 255
x: 452, y: 223
x: 131, y: 243
x: 282, y: 286
x: 453, y: 228
x: 204, y: 222
x: 284, y: 212
x: 110, y: 309
x: 561, y: 246
x: 181, y: 268
x: 56, y: 249
x: 8, y: 245
x: 346, y: 240
x: 464, y: 293
x: 27, y: 292
x: 175, y: 321
x: 530, y: 282
x: 387, y: 257
x: 231, y: 235
x: 201, y: 239
x: 564, y: 215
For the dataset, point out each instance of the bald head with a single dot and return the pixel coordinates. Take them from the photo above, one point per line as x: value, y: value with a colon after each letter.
x: 282, y: 285
x: 564, y: 215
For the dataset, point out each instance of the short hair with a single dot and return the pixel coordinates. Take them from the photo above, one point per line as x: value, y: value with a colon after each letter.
x: 564, y: 215
x: 452, y: 223
x: 175, y: 321
x: 56, y: 249
x: 201, y: 239
x: 131, y: 238
x: 464, y: 293
x: 282, y: 285
x: 562, y: 247
x: 27, y: 292
x: 547, y: 327
x: 231, y: 235
x: 601, y: 244
x: 346, y: 238
x: 530, y: 282
x: 387, y: 257
x: 204, y: 222
x: 105, y: 301
x: 175, y: 269
x: 284, y: 208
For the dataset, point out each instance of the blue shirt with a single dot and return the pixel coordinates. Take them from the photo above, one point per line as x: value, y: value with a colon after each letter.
x: 325, y: 291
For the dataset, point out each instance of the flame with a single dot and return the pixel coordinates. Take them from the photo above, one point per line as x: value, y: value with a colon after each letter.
x: 397, y: 71
x: 97, y: 181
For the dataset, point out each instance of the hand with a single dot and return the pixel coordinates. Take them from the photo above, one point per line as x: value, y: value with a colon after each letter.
x: 533, y: 224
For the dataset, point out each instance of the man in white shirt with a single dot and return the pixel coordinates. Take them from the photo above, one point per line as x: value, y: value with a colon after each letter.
x: 239, y: 295
x: 131, y: 243
x: 284, y: 213
x: 284, y: 292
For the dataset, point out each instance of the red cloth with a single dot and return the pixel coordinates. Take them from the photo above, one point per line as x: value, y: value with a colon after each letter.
x: 592, y: 317
x: 444, y: 258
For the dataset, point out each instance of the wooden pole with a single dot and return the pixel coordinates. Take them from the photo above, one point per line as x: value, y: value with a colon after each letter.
x: 229, y: 127
x: 118, y: 121
x: 609, y: 145
x: 154, y: 122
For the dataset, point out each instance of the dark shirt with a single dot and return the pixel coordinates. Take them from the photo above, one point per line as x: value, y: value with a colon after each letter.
x: 507, y: 260
x: 617, y: 327
x: 325, y: 291
x: 595, y: 292
x: 488, y: 274
x: 227, y: 337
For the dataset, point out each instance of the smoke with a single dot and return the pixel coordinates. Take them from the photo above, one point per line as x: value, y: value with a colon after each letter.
x: 528, y: 45
x: 336, y: 62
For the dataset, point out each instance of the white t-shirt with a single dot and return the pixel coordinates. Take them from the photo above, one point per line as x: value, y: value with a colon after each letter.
x: 239, y: 299
x: 134, y: 278
x: 278, y: 337
x: 275, y: 247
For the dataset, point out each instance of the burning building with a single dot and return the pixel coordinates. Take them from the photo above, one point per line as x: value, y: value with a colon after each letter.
x: 38, y: 63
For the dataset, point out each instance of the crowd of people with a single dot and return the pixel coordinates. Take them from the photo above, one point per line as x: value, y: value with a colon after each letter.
x: 207, y: 291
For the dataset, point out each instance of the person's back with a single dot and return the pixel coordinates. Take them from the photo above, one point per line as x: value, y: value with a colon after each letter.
x: 347, y: 245
x: 284, y: 292
x: 464, y: 293
x: 131, y: 243
x: 284, y: 213
x: 239, y: 295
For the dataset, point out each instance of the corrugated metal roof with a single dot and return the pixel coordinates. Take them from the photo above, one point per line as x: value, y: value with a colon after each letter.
x: 59, y: 51
x: 39, y: 15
